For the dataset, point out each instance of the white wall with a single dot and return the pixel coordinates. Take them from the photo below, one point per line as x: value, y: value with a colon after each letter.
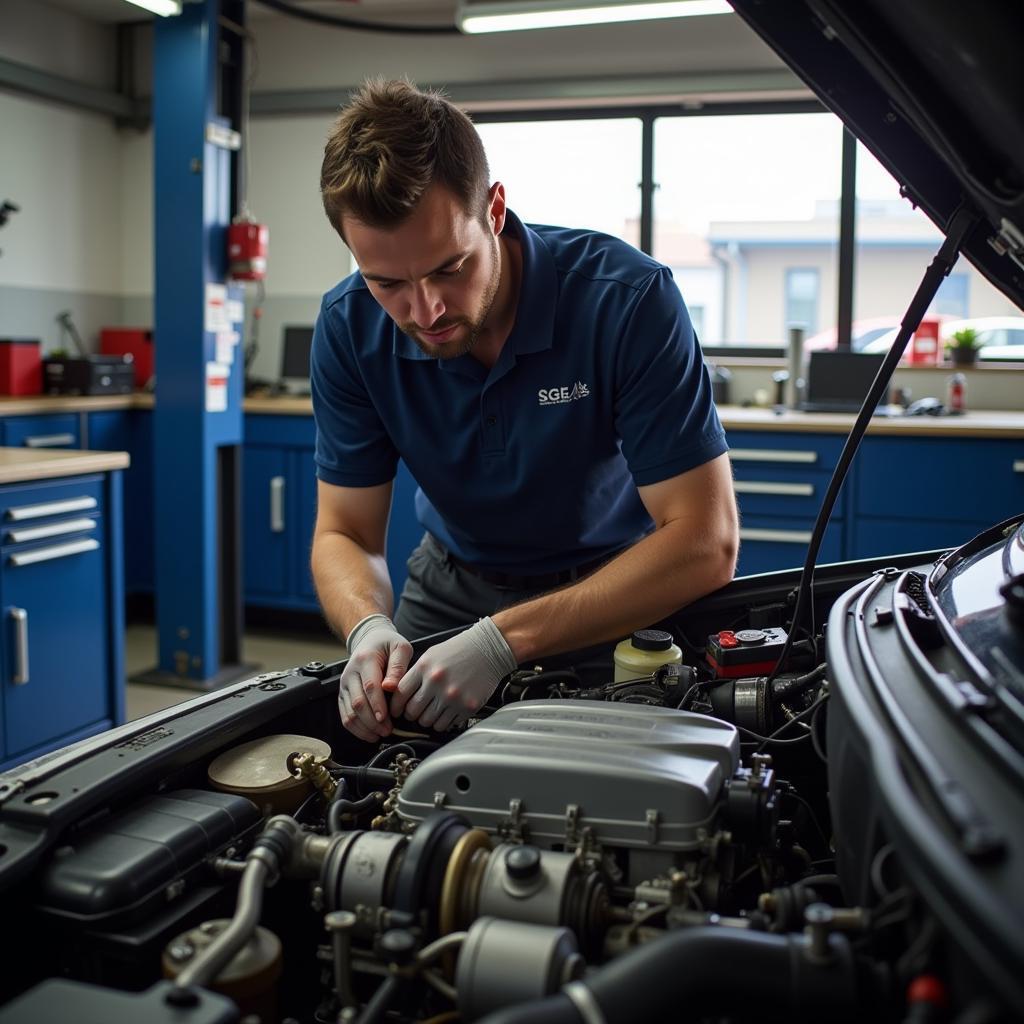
x: 58, y: 41
x: 63, y: 168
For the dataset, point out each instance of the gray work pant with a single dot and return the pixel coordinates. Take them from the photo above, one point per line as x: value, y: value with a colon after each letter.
x: 439, y: 595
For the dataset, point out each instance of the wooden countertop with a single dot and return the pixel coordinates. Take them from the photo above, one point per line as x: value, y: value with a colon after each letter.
x: 280, y: 405
x: 18, y: 465
x: 981, y: 423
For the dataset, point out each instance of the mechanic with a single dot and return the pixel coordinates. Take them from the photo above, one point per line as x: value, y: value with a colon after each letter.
x: 545, y: 389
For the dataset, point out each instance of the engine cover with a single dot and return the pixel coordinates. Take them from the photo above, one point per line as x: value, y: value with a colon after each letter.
x: 636, y: 776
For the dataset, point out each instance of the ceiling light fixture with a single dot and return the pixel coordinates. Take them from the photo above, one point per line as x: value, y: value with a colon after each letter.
x: 476, y: 16
x: 164, y: 8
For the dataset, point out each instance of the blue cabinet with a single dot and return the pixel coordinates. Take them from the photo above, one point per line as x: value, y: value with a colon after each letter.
x: 914, y: 494
x: 47, y: 430
x: 130, y: 430
x: 61, y: 602
x: 780, y: 481
x: 279, y: 513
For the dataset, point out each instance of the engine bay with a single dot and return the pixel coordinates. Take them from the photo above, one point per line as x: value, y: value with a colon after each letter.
x: 717, y: 840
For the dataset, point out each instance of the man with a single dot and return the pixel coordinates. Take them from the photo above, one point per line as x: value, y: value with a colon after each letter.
x: 545, y: 389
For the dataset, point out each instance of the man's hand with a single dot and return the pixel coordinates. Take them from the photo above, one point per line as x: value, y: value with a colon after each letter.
x: 453, y: 679
x: 378, y: 656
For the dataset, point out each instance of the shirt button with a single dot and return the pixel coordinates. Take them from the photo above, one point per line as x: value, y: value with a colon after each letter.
x: 491, y: 420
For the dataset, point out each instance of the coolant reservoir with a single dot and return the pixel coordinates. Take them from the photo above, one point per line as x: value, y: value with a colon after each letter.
x: 643, y: 653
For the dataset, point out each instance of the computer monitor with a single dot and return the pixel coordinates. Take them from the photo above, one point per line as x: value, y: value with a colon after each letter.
x: 839, y: 381
x: 295, y: 345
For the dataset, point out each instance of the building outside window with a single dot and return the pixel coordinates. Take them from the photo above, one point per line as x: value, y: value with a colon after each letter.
x: 802, y: 286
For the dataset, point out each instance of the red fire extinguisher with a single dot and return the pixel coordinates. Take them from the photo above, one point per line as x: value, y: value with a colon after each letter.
x: 247, y: 250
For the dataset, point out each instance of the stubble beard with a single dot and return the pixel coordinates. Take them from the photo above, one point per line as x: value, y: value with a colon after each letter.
x: 474, y: 324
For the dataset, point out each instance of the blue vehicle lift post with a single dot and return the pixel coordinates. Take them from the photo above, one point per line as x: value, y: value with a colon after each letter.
x: 198, y: 83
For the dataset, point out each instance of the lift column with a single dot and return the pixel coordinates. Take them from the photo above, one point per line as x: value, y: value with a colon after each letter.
x: 198, y: 415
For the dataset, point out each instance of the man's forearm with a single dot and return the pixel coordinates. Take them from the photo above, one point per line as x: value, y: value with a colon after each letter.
x: 350, y: 581
x: 666, y: 570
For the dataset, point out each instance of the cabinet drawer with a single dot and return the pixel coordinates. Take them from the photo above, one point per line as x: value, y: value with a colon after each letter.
x: 768, y: 544
x: 56, y: 655
x: 43, y: 503
x: 61, y: 430
x: 808, y: 451
x: 775, y: 490
x: 943, y: 479
x: 872, y: 537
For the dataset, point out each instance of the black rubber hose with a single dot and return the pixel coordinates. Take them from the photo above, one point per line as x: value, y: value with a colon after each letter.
x: 783, y: 688
x: 726, y: 971
x: 352, y: 807
x: 393, y: 751
x: 364, y: 779
x: 381, y: 1000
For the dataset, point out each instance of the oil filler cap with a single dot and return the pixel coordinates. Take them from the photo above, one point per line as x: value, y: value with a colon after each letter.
x: 751, y: 637
x: 652, y: 640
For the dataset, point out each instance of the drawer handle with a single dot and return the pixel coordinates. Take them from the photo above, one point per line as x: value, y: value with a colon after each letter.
x: 51, y: 508
x: 50, y: 441
x: 19, y: 536
x: 277, y: 504
x: 765, y: 487
x: 1018, y: 466
x: 771, y: 455
x: 20, y: 617
x: 76, y: 547
x: 781, y: 536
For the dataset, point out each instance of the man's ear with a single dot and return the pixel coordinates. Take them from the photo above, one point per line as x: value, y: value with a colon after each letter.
x: 496, y: 207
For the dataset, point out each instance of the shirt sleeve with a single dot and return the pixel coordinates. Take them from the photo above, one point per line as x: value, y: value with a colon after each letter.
x: 664, y: 411
x: 353, y: 448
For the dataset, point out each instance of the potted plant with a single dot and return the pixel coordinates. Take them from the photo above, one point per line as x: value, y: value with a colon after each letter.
x: 963, y: 347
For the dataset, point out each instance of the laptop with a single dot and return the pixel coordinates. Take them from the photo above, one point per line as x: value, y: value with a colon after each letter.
x: 296, y: 342
x: 840, y: 381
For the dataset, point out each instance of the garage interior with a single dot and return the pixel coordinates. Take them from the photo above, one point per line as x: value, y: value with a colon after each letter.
x: 690, y: 138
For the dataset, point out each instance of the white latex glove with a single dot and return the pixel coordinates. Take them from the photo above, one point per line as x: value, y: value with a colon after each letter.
x: 453, y: 679
x: 377, y: 655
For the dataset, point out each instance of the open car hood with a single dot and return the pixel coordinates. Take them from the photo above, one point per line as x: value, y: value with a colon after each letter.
x: 934, y: 89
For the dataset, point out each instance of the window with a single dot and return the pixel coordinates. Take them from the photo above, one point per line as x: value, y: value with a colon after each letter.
x: 802, y: 300
x: 741, y: 198
x: 951, y: 298
x: 582, y: 173
x: 697, y: 319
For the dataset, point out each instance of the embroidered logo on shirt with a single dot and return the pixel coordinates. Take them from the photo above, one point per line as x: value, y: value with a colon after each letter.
x: 559, y: 396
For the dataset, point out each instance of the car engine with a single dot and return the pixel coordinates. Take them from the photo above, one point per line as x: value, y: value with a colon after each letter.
x: 724, y: 839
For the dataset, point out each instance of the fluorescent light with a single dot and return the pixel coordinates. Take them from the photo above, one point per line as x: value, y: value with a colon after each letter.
x: 484, y: 16
x: 164, y: 8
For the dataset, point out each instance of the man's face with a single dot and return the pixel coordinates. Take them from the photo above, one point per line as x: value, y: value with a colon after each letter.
x: 436, y: 274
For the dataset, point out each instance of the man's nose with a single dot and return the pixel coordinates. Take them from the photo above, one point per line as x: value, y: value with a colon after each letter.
x: 427, y: 305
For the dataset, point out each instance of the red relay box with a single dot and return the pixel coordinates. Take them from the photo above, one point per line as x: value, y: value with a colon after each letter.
x: 745, y: 652
x: 136, y: 342
x: 21, y: 370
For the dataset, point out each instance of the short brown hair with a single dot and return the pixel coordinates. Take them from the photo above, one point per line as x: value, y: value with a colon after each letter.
x: 389, y: 144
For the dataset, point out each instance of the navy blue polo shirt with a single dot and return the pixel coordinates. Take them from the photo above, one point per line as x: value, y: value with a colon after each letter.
x: 532, y: 466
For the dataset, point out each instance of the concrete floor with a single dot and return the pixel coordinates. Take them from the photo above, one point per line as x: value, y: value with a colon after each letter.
x: 268, y: 649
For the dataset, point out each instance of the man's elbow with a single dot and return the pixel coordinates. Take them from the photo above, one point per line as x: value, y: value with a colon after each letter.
x: 724, y: 553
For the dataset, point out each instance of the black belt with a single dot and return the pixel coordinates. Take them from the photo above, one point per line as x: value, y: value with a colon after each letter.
x: 539, y: 581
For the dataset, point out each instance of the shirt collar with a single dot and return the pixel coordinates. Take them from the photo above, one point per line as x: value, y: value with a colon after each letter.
x: 533, y: 330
